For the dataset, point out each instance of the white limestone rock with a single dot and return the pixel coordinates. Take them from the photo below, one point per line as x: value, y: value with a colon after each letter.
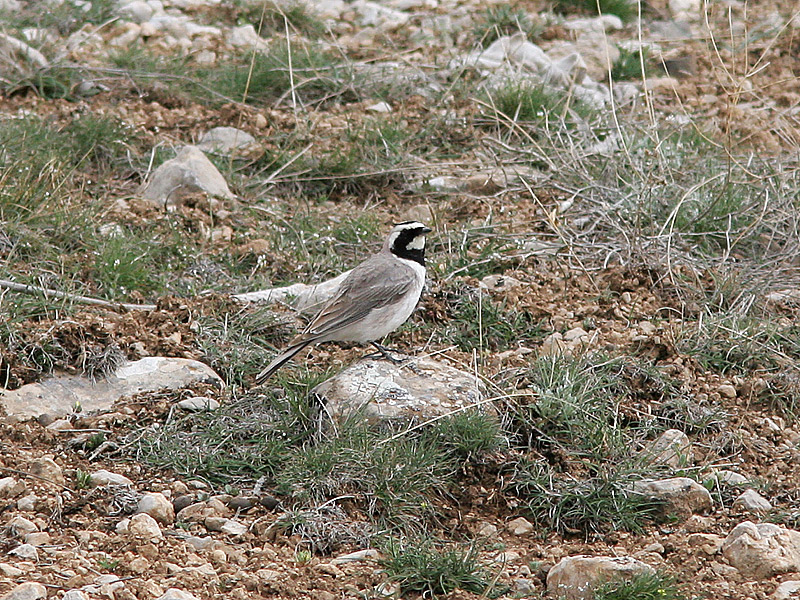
x: 576, y: 577
x: 762, y: 550
x: 188, y: 173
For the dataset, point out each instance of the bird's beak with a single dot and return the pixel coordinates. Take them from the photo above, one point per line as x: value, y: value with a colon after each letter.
x: 426, y: 230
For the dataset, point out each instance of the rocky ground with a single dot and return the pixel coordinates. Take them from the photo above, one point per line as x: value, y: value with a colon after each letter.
x: 646, y: 222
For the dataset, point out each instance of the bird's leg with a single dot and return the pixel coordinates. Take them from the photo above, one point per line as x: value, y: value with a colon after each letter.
x: 383, y: 351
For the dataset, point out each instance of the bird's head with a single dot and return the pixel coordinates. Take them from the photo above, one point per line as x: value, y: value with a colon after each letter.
x: 407, y: 240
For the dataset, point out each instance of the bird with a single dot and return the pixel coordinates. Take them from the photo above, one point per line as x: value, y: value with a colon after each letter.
x: 375, y: 298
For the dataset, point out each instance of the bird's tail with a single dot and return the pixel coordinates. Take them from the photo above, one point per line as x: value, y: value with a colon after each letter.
x: 280, y: 360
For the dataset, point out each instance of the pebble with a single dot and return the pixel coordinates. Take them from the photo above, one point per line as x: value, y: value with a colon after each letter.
x: 176, y: 594
x: 10, y: 487
x: 27, y: 591
x: 520, y: 526
x: 198, y: 404
x: 787, y: 590
x: 727, y: 391
x: 145, y: 527
x: 39, y: 538
x: 74, y: 595
x: 157, y: 506
x: 46, y: 468
x: 20, y: 526
x: 103, y: 477
x: 357, y: 556
x: 753, y: 502
x: 26, y: 552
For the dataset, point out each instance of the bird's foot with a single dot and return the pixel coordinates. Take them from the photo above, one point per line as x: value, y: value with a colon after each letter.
x: 385, y: 353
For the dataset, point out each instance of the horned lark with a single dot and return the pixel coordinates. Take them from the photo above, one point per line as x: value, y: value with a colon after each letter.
x: 374, y: 299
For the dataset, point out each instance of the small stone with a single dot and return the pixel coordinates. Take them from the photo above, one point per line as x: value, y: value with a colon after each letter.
x: 575, y: 333
x: 10, y: 487
x: 681, y: 495
x: 10, y: 571
x: 762, y: 550
x: 139, y: 565
x: 672, y: 448
x: 145, y: 527
x: 26, y: 552
x: 269, y: 502
x: 176, y: 594
x: 487, y: 530
x: 261, y: 121
x: 74, y: 595
x: 524, y: 587
x: 520, y: 526
x: 753, y: 502
x: 626, y: 297
x: 20, y: 526
x: 329, y: 569
x: 709, y: 543
x: 730, y: 477
x: 727, y: 391
x: 242, y: 502
x: 157, y: 506
x: 575, y: 577
x: 787, y: 590
x: 198, y: 404
x: 38, y: 538
x: 698, y: 523
x: 46, y: 468
x: 27, y: 591
x: 380, y: 107
x: 233, y: 527
x: 358, y: 556
x: 507, y: 558
x: 27, y: 503
x: 181, y: 502
x: 199, y: 543
x: 103, y: 477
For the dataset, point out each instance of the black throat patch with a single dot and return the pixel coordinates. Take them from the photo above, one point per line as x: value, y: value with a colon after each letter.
x: 400, y: 246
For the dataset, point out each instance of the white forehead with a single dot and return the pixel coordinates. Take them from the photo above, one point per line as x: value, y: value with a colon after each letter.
x: 417, y: 243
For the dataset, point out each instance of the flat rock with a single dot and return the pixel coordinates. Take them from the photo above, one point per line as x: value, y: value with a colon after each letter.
x: 25, y: 552
x: 575, y: 577
x: 753, y: 502
x: 787, y: 590
x: 762, y: 550
x: 380, y: 390
x: 176, y: 594
x: 672, y: 448
x: 229, y: 140
x: 10, y: 487
x: 357, y: 556
x: 519, y: 526
x: 188, y: 173
x: 681, y: 495
x: 157, y: 506
x: 27, y: 591
x: 198, y: 404
x: 58, y: 396
x: 145, y: 527
x: 103, y: 477
x: 47, y: 469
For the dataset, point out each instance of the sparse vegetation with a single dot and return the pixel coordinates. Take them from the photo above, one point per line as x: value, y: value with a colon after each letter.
x: 425, y: 568
x: 662, y: 222
x: 502, y: 20
x: 640, y: 587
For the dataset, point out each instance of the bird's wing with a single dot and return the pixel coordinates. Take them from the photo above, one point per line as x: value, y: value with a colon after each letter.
x: 377, y: 282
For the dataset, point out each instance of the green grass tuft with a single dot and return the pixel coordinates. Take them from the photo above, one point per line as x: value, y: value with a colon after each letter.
x: 643, y: 586
x: 502, y: 20
x: 424, y: 568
